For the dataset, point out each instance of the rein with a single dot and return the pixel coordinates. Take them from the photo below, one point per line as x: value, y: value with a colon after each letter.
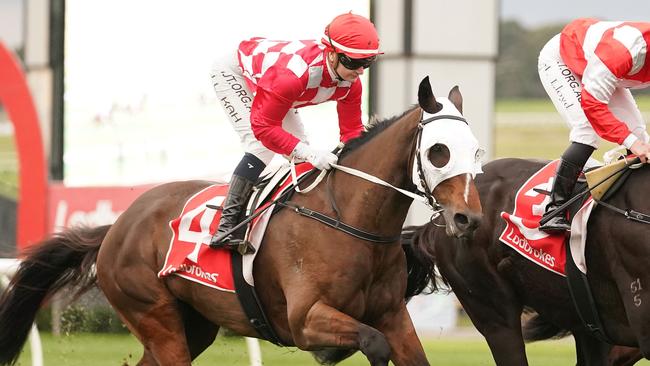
x: 336, y: 223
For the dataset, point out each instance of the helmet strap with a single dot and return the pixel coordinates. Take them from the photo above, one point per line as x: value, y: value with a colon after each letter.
x: 334, y: 65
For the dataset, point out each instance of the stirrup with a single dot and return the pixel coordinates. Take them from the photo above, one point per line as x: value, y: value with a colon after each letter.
x: 553, y: 226
x: 240, y: 245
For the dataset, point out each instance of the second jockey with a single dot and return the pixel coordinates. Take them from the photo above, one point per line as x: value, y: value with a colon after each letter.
x: 587, y: 71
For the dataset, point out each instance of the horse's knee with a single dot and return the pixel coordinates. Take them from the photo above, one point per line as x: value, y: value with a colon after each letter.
x: 374, y: 345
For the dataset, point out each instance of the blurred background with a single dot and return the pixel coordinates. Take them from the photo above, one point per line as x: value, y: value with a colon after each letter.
x: 123, y: 100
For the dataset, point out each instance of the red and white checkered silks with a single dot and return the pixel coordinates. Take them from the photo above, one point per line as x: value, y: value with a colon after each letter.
x: 294, y: 74
x: 607, y: 56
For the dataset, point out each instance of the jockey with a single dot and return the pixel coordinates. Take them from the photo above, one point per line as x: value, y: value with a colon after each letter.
x: 587, y: 70
x: 261, y: 86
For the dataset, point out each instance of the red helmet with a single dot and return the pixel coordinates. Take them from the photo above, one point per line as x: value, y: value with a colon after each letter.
x: 353, y: 35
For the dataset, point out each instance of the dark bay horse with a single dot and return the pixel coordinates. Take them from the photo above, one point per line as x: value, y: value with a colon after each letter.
x: 495, y: 284
x: 322, y: 289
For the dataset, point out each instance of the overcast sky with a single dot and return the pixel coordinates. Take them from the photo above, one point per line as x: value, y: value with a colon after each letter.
x: 538, y: 12
x: 529, y: 12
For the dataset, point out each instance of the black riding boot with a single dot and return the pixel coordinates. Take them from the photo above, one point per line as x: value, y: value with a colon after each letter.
x: 565, y: 180
x: 238, y: 193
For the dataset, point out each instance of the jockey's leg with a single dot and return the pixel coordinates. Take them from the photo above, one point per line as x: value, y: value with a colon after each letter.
x: 241, y: 185
x: 571, y: 164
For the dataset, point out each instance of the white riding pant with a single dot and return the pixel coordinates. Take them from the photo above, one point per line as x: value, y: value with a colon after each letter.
x: 564, y: 88
x: 236, y: 99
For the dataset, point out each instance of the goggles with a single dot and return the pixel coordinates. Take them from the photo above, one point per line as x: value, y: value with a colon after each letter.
x: 355, y: 63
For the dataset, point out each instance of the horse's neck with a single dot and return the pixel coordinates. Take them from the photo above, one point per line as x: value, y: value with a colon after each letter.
x: 387, y: 157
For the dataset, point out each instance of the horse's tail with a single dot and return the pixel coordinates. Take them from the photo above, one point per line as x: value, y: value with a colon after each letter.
x: 65, y: 259
x: 538, y: 328
x: 417, y: 242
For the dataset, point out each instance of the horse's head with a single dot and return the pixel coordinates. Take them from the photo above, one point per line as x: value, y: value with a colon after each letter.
x: 447, y: 160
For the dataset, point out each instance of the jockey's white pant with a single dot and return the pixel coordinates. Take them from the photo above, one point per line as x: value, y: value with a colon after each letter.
x: 236, y: 99
x: 564, y: 88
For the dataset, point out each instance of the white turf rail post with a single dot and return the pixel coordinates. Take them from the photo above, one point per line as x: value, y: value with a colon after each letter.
x: 254, y: 351
x: 8, y: 267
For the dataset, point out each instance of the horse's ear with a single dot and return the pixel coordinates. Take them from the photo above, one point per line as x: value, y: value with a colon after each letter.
x: 456, y: 98
x: 426, y: 100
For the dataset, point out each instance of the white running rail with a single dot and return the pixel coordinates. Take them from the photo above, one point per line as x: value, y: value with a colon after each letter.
x: 8, y: 267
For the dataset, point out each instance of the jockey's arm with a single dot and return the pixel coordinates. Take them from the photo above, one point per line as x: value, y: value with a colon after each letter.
x: 600, y: 81
x: 349, y: 112
x: 271, y: 104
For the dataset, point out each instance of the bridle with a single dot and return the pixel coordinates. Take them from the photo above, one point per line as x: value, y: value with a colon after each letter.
x: 425, y: 197
x: 428, y: 192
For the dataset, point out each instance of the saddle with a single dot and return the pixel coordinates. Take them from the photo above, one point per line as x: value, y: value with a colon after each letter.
x: 601, y: 181
x: 261, y: 195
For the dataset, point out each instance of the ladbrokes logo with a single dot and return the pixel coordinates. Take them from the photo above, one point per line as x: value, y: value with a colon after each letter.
x: 525, y: 246
x: 522, y: 233
x: 197, y: 271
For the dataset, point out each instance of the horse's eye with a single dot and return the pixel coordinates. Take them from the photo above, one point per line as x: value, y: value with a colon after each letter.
x: 439, y: 155
x: 479, y: 155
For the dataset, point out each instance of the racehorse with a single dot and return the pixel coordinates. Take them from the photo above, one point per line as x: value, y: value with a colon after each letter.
x: 495, y: 284
x: 323, y: 290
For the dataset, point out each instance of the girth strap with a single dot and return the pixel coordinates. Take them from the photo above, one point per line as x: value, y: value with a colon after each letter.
x: 250, y: 303
x: 341, y: 226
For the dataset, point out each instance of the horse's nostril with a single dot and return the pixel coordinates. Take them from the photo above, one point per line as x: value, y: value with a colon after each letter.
x: 467, y: 222
x: 461, y: 220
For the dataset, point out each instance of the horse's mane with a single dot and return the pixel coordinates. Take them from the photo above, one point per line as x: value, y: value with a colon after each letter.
x: 418, y: 245
x: 374, y: 128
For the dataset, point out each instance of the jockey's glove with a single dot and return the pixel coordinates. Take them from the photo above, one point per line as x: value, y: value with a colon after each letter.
x: 320, y: 159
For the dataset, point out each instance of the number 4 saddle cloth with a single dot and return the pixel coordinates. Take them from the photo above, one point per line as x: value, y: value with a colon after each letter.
x: 190, y: 256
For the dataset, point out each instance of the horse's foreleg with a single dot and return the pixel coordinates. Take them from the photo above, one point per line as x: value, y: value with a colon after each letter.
x: 323, y: 326
x: 404, y: 342
x: 624, y: 356
x: 501, y: 327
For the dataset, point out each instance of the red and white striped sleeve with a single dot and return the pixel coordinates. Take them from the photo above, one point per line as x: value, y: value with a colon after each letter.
x: 615, y: 56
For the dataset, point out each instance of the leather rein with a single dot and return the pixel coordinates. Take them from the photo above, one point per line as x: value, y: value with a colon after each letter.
x: 427, y: 195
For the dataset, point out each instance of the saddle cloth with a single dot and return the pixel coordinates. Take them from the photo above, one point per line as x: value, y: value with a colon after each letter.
x: 189, y: 255
x: 522, y: 234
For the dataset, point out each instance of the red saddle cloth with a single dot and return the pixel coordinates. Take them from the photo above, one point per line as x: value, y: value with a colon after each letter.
x: 522, y: 233
x: 190, y: 256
